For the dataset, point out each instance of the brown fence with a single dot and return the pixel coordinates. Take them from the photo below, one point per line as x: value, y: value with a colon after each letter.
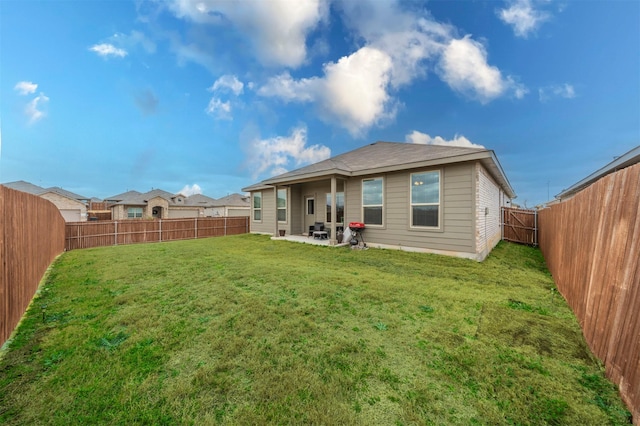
x: 520, y: 226
x: 108, y: 233
x: 591, y: 244
x: 31, y: 236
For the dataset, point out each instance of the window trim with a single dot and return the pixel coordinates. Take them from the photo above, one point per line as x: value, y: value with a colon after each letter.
x: 412, y: 204
x: 254, y: 208
x: 362, y: 205
x: 139, y: 210
x: 286, y: 204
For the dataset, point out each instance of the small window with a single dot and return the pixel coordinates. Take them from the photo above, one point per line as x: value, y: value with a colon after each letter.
x: 282, y: 205
x: 372, y: 201
x: 425, y: 199
x: 339, y: 209
x: 257, y: 206
x: 134, y: 212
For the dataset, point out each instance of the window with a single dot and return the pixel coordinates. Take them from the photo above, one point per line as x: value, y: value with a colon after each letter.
x: 425, y: 199
x: 339, y: 209
x: 372, y: 201
x: 311, y: 206
x: 257, y: 206
x: 134, y: 212
x: 282, y: 205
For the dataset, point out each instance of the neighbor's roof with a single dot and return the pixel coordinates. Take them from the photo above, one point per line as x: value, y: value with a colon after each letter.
x: 23, y: 186
x: 199, y: 200
x: 135, y: 198
x: 233, y: 200
x: 625, y: 160
x: 383, y: 157
x: 123, y: 196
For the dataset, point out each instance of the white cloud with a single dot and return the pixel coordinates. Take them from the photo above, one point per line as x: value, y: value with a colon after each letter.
x: 228, y: 82
x: 565, y: 91
x: 463, y: 66
x: 132, y: 40
x: 424, y: 139
x: 352, y: 92
x: 26, y: 87
x: 398, y: 47
x: 33, y: 110
x: 523, y: 16
x: 277, y: 28
x: 275, y: 155
x: 283, y: 86
x: 218, y: 109
x: 189, y: 190
x: 106, y: 50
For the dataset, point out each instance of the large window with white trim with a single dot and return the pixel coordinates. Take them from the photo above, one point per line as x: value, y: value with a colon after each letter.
x: 339, y: 207
x: 372, y: 201
x: 257, y: 206
x: 282, y: 205
x: 134, y: 212
x: 425, y: 199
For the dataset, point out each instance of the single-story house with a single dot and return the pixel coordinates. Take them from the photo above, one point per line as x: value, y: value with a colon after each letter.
x: 233, y: 205
x: 157, y: 204
x: 72, y: 207
x: 429, y: 198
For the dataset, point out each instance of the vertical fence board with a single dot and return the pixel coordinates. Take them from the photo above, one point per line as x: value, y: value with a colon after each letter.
x: 591, y: 244
x: 32, y: 234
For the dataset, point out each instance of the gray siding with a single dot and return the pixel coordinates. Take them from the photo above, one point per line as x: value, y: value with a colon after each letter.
x: 268, y: 222
x: 296, y: 206
x: 456, y: 232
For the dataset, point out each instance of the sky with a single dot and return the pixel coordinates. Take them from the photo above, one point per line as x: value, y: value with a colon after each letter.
x: 207, y: 96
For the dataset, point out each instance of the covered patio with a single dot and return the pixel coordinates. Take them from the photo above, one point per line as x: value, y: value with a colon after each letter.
x: 309, y: 240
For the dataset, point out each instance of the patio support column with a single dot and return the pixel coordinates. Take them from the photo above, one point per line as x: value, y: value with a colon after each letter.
x: 275, y: 206
x: 334, y: 214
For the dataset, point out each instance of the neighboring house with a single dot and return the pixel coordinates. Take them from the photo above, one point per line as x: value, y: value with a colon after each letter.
x: 233, y: 205
x: 73, y: 207
x: 157, y: 204
x: 628, y: 159
x: 428, y: 198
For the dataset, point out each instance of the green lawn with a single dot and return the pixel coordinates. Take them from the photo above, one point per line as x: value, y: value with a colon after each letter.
x: 245, y: 330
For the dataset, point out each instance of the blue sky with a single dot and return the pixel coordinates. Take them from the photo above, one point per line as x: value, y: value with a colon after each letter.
x: 101, y: 97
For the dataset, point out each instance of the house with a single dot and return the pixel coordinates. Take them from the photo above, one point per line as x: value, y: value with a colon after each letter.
x: 158, y: 204
x: 428, y: 198
x: 72, y: 207
x: 233, y: 205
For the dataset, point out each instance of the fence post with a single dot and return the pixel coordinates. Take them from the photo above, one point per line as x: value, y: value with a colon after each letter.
x: 225, y: 226
x: 115, y: 233
x: 196, y: 228
x: 160, y: 231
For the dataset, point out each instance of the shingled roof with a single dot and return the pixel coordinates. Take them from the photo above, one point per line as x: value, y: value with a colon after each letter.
x: 384, y: 157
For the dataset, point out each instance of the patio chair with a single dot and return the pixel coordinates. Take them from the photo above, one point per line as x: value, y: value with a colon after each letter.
x: 319, y: 232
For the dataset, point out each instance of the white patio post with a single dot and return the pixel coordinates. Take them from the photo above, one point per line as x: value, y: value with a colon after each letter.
x: 334, y: 214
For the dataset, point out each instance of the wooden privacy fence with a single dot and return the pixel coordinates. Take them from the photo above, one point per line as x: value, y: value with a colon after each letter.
x: 520, y: 226
x: 31, y: 236
x: 108, y: 233
x: 591, y: 244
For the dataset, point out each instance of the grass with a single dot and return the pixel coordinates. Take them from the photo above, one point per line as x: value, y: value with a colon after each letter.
x: 245, y: 330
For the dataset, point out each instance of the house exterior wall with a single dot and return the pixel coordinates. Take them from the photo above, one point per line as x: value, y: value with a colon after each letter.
x: 455, y: 233
x: 489, y: 199
x: 267, y: 223
x: 227, y: 211
x: 184, y: 212
x: 69, y: 208
x: 153, y: 203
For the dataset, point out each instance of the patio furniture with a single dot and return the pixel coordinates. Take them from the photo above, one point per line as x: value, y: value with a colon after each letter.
x: 319, y: 232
